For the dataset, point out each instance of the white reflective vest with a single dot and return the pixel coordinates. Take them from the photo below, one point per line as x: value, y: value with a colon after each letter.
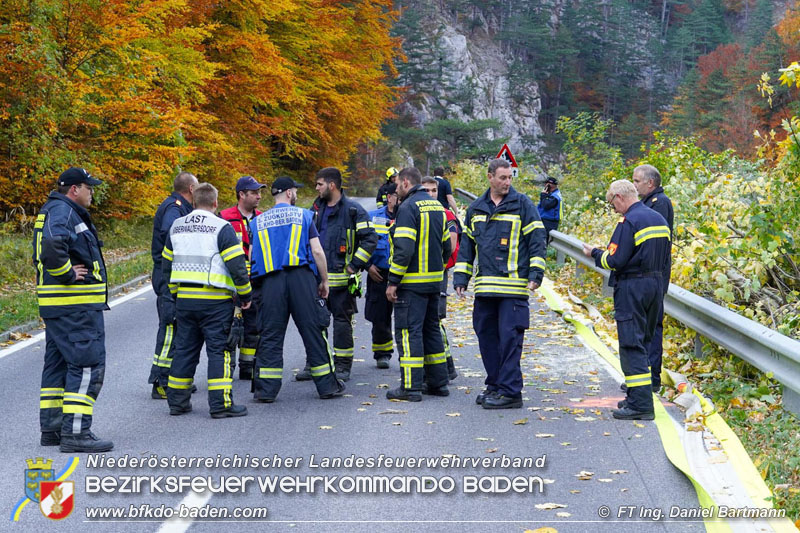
x: 196, y: 253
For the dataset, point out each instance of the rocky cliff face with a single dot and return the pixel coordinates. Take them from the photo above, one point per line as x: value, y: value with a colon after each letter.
x: 474, y: 79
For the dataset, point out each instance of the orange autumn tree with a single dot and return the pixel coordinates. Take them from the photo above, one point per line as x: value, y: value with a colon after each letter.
x: 111, y: 85
x: 301, y: 82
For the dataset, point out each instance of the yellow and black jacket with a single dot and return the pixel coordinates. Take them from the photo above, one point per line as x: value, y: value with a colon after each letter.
x: 420, y: 243
x: 64, y: 236
x: 349, y: 238
x: 507, y: 240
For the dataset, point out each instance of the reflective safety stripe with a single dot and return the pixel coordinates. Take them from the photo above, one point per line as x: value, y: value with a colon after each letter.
x: 536, y: 224
x: 468, y: 232
x: 408, y: 233
x: 39, y: 221
x: 321, y: 370
x: 513, y: 240
x: 227, y: 399
x: 412, y: 362
x: 229, y: 253
x: 343, y: 352
x: 422, y: 277
x: 511, y: 282
x: 294, y: 244
x: 338, y: 279
x: 80, y: 398
x: 381, y: 230
x: 604, y: 260
x: 61, y: 270
x: 216, y: 280
x: 96, y: 272
x: 270, y: 373
x: 497, y: 289
x: 398, y: 270
x: 220, y: 383
x: 385, y: 347
x: 638, y: 380
x: 51, y: 391
x: 166, y: 253
x: 435, y: 358
x: 247, y: 351
x: 463, y: 268
x: 363, y: 225
x: 163, y: 359
x: 538, y: 262
x: 497, y: 285
x: 422, y: 242
x: 362, y: 255
x: 244, y: 289
x: 72, y: 300
x: 405, y: 369
x: 70, y: 409
x: 179, y: 383
x: 50, y: 404
x: 651, y: 232
x: 204, y: 293
x: 52, y: 289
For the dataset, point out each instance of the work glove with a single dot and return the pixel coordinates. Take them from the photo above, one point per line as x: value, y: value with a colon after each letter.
x: 354, y: 285
x: 236, y: 335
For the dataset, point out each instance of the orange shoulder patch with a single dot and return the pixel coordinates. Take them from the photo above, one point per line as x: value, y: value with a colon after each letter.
x: 612, y: 248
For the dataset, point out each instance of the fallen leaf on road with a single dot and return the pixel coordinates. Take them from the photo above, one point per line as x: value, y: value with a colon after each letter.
x: 605, y: 480
x: 366, y: 403
x: 483, y: 438
x: 326, y: 427
x: 618, y: 472
x: 544, y: 435
x: 382, y: 386
x: 397, y: 423
x: 491, y: 450
x: 453, y: 414
x: 549, y: 506
x: 584, y: 418
x: 360, y: 409
x: 563, y: 514
x: 584, y: 475
x: 541, y: 530
x: 521, y: 422
x: 373, y: 395
x: 548, y: 481
x: 393, y: 412
x: 638, y: 425
x: 533, y: 408
x: 575, y: 492
x: 566, y: 443
x: 606, y: 434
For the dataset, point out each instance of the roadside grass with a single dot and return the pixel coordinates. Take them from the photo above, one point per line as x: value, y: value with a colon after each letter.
x: 126, y: 252
x: 748, y: 400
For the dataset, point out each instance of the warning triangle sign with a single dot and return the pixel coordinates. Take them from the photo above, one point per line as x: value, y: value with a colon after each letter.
x: 506, y: 154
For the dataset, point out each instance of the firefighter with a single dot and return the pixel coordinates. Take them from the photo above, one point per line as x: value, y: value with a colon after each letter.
x: 71, y: 287
x: 550, y: 206
x: 391, y: 177
x: 502, y: 226
x: 420, y: 249
x: 241, y: 216
x: 348, y: 240
x: 647, y: 180
x: 176, y: 205
x: 431, y: 186
x: 290, y: 270
x: 636, y: 256
x: 205, y: 265
x: 377, y: 308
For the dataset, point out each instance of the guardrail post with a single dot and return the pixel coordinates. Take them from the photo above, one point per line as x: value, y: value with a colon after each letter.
x: 606, y: 291
x: 580, y: 270
x: 698, y: 347
x: 560, y: 257
x: 791, y: 401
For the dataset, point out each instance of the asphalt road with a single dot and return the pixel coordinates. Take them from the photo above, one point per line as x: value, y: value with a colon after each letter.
x: 589, y: 460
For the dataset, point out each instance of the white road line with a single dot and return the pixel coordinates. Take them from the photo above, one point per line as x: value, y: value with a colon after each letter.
x: 192, y: 500
x: 40, y: 336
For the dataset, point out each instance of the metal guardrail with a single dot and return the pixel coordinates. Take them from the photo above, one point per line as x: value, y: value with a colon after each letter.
x: 764, y: 348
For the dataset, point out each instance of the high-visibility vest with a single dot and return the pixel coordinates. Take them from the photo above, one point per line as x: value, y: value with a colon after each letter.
x: 196, y: 257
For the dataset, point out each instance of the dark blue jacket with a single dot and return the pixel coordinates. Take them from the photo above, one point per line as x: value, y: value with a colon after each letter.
x: 63, y: 236
x: 171, y: 209
x: 509, y: 239
x: 550, y: 206
x: 640, y: 245
x: 382, y: 221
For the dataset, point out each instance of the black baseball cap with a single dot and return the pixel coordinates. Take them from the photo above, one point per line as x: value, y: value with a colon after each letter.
x: 248, y: 183
x: 76, y: 176
x: 391, y: 188
x: 551, y: 180
x: 284, y: 183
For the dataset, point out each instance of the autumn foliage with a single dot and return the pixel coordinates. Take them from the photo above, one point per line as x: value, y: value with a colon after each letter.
x: 134, y: 90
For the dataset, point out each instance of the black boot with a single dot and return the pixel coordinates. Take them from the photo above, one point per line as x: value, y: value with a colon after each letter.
x: 402, y: 394
x: 232, y: 411
x: 158, y: 393
x: 441, y: 391
x: 304, y: 375
x: 84, y: 443
x: 50, y: 438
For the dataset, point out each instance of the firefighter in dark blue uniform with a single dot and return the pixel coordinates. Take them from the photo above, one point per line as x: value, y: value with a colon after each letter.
x: 205, y: 265
x: 176, y: 205
x: 647, y: 180
x: 637, y: 256
x: 420, y: 249
x: 377, y: 309
x: 502, y: 227
x: 71, y: 287
x: 287, y: 261
x: 348, y: 239
x: 391, y: 177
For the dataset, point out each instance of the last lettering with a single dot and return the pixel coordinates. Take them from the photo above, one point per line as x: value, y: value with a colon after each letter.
x: 196, y: 219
